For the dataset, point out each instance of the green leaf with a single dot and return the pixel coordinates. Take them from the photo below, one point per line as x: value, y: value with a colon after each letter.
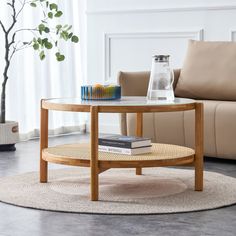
x: 58, y: 27
x: 60, y: 57
x: 44, y: 41
x: 58, y: 14
x: 32, y: 4
x: 39, y: 41
x: 50, y: 15
x: 64, y: 35
x: 69, y: 27
x: 74, y: 39
x: 46, y: 30
x: 36, y: 46
x: 48, y: 45
x: 41, y: 27
x: 70, y: 35
x: 42, y: 55
x: 53, y: 6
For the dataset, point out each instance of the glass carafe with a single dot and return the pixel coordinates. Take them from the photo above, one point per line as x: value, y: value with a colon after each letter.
x: 161, y: 80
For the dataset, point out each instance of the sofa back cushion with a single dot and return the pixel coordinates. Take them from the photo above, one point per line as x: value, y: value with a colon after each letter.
x: 209, y: 71
x: 133, y: 83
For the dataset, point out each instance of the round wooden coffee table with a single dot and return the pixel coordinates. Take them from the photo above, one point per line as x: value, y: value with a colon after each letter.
x: 87, y: 155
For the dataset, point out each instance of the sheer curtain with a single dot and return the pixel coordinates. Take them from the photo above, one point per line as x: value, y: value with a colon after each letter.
x: 30, y: 79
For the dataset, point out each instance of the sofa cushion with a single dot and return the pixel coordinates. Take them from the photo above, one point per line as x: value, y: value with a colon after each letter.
x: 209, y: 71
x: 178, y: 128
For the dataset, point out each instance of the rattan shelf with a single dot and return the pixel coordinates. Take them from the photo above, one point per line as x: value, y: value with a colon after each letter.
x: 79, y: 155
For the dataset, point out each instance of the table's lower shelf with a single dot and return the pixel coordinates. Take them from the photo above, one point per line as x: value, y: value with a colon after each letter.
x: 79, y: 155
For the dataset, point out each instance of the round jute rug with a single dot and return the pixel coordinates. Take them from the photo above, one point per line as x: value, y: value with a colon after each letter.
x: 158, y: 190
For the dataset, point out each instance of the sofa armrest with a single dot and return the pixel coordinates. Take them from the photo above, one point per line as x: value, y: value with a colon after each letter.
x: 176, y: 77
x: 136, y: 84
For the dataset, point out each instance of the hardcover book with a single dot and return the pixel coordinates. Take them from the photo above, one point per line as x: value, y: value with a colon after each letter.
x: 126, y: 151
x: 124, y: 141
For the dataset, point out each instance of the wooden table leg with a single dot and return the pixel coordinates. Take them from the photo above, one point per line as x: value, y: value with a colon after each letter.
x: 94, y: 153
x: 199, y: 147
x: 43, y: 144
x: 139, y: 133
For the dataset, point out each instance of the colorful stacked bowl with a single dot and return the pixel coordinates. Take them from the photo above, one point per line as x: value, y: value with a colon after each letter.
x: 100, y: 92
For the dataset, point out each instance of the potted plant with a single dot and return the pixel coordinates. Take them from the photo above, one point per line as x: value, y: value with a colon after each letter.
x: 45, y: 36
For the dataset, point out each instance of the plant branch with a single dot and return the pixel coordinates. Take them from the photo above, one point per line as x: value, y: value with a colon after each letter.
x: 44, y: 13
x: 22, y: 7
x: 2, y: 26
x: 23, y: 47
x: 7, y: 61
x: 13, y: 52
x: 17, y: 49
x: 5, y: 78
x: 12, y: 40
x: 19, y: 30
x: 12, y: 5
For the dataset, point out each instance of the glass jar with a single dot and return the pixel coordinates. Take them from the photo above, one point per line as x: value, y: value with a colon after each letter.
x: 161, y: 80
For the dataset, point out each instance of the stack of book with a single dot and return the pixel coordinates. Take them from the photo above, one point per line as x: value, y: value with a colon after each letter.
x: 129, y: 145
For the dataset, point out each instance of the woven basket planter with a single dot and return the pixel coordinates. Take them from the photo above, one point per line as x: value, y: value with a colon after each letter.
x: 9, y: 135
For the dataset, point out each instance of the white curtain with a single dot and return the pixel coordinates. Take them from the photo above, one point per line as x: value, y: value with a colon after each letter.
x: 30, y: 79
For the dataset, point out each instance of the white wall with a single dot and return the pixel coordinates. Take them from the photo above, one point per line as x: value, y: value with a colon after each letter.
x: 124, y: 34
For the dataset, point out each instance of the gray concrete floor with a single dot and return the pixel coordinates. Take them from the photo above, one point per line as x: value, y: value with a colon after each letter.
x: 17, y: 221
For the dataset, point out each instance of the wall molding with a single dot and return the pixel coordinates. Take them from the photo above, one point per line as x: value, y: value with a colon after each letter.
x: 164, y: 9
x: 108, y: 37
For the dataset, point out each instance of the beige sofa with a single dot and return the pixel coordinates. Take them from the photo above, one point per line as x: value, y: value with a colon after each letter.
x: 178, y: 127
